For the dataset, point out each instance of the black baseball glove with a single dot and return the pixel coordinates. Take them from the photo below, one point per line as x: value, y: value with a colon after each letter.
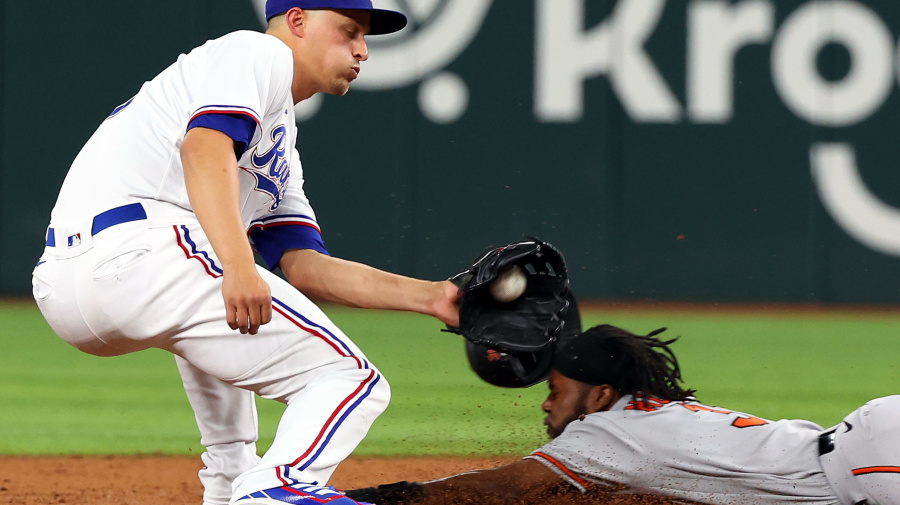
x: 529, y: 323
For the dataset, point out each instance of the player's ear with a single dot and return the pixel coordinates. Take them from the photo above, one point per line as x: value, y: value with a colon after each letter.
x: 602, y: 398
x: 297, y: 20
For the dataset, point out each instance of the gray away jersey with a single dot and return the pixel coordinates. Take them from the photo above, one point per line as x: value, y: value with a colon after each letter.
x: 692, y: 451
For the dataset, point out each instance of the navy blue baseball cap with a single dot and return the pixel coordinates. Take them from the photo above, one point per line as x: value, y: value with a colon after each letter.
x: 382, y: 21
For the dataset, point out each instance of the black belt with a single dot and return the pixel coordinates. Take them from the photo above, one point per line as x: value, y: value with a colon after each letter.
x: 826, y: 442
x: 102, y: 221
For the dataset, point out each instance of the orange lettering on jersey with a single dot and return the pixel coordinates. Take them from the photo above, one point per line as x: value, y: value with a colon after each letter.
x: 644, y: 407
x: 646, y: 404
x: 742, y: 421
x: 747, y: 422
x: 704, y: 408
x: 650, y: 404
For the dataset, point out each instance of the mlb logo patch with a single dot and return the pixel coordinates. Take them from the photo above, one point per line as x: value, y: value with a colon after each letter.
x: 74, y: 240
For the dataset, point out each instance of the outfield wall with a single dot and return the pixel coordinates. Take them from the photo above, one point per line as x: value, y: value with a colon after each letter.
x: 696, y: 150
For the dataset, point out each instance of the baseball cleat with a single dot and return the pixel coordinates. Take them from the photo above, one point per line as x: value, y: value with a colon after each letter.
x: 298, y: 494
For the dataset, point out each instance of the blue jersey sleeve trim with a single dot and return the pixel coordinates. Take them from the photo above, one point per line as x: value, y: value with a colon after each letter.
x: 120, y: 108
x: 271, y: 242
x: 240, y: 127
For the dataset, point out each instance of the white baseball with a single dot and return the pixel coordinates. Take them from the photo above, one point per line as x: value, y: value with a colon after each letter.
x: 509, y: 285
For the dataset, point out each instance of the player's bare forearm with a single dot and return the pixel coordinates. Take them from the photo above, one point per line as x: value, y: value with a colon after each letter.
x: 211, y: 178
x: 357, y: 285
x: 524, y: 481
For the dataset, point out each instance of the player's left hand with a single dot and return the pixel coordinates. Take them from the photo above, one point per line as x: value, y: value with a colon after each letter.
x: 446, y: 305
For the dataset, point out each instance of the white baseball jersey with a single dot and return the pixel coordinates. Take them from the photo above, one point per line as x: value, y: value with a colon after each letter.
x: 127, y: 266
x: 692, y: 451
x: 239, y: 84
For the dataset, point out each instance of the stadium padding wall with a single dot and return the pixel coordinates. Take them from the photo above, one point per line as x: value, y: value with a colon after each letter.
x: 682, y: 174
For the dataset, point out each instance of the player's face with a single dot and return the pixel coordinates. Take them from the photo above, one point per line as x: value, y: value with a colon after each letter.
x: 338, y: 45
x: 568, y: 400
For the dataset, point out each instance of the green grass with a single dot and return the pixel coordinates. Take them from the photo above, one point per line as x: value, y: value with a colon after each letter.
x: 56, y: 400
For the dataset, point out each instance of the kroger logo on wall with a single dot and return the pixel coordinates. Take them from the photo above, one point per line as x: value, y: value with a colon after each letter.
x: 439, y: 30
x: 568, y: 53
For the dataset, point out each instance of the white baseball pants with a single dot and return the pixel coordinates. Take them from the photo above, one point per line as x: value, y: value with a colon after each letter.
x: 142, y: 284
x: 864, y: 465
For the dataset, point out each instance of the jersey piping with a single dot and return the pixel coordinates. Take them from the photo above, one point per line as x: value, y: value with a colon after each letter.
x: 560, y: 469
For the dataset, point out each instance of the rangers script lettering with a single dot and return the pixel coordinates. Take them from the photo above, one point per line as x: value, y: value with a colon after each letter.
x: 272, y: 169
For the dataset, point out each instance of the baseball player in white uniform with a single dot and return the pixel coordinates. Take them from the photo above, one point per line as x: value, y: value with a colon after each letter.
x: 620, y: 422
x: 151, y: 242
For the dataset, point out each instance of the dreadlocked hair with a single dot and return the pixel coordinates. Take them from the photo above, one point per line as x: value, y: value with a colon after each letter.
x: 639, y: 365
x: 656, y: 370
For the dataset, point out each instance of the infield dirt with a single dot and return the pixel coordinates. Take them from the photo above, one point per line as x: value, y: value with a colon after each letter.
x: 157, y: 480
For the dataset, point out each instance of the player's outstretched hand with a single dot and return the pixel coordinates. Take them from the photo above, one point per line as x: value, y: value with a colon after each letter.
x: 446, y: 305
x: 248, y: 300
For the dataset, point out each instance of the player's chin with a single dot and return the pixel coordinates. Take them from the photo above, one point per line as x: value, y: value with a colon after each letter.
x: 551, y: 431
x: 339, y: 87
x: 339, y: 90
